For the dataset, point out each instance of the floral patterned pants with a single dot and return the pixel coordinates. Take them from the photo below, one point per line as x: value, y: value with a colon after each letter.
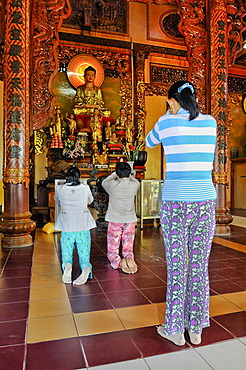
x: 124, y: 232
x: 188, y: 230
x: 82, y: 240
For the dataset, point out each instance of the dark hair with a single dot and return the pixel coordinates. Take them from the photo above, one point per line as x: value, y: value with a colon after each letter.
x: 90, y: 68
x: 72, y: 176
x: 184, y: 93
x: 123, y: 169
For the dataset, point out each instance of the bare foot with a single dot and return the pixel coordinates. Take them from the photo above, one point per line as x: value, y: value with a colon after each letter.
x: 132, y: 265
x: 124, y: 267
x: 82, y: 279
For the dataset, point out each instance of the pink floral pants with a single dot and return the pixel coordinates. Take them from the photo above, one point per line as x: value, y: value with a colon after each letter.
x: 120, y: 232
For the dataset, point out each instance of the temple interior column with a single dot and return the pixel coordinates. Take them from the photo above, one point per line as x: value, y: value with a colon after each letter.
x: 16, y: 225
x: 219, y: 53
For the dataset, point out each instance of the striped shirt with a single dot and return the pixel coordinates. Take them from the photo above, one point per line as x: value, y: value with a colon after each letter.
x: 189, y: 148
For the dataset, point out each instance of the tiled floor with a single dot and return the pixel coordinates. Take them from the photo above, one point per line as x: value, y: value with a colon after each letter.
x: 111, y: 320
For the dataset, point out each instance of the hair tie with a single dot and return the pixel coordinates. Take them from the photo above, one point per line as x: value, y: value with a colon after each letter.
x: 182, y: 87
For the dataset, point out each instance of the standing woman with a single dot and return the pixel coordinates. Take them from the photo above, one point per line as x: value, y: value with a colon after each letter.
x: 187, y: 211
x: 74, y: 221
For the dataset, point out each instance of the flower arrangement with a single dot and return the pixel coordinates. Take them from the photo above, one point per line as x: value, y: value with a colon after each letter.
x: 131, y: 151
x: 73, y: 149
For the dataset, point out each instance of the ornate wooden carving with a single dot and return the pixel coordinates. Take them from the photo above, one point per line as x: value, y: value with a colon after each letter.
x: 236, y: 84
x: 114, y: 63
x: 16, y: 224
x: 106, y: 15
x: 16, y: 97
x: 235, y: 99
x: 219, y: 93
x: 140, y: 113
x: 2, y: 32
x: 167, y: 75
x: 236, y: 26
x: 156, y: 89
x: 47, y: 18
x: 193, y: 27
x: 169, y: 25
x: 159, y: 49
x: 162, y: 78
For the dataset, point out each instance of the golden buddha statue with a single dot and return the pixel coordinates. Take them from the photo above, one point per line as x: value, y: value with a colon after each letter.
x: 88, y: 96
x: 121, y: 120
x: 96, y: 124
x: 129, y: 129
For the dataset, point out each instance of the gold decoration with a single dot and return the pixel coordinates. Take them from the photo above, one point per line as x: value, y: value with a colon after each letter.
x: 220, y: 178
x: 235, y: 99
x: 16, y: 176
x: 39, y: 141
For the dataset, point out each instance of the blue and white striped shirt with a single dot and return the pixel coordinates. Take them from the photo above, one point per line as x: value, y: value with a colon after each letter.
x: 189, y: 147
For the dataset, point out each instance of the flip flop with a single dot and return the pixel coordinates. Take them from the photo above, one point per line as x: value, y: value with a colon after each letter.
x: 132, y: 265
x: 124, y: 267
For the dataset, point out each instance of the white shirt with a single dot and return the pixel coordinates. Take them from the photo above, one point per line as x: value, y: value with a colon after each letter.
x: 74, y: 214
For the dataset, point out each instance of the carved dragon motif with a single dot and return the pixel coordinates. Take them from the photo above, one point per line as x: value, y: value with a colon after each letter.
x: 47, y: 20
x: 193, y: 28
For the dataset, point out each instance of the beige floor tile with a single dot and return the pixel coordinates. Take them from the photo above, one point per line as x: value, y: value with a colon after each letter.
x: 220, y: 306
x: 238, y: 298
x: 39, y: 262
x: 45, y: 252
x: 96, y: 322
x: 49, y: 307
x: 141, y: 316
x: 46, y: 270
x: 45, y: 257
x: 51, y: 328
x: 49, y: 279
x: 48, y: 292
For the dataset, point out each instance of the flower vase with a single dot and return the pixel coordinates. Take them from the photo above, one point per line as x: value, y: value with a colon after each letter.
x: 131, y: 164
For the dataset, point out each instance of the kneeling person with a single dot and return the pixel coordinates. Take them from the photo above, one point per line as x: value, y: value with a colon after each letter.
x: 122, y: 188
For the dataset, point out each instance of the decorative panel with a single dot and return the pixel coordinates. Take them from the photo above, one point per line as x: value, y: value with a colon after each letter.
x: 99, y: 15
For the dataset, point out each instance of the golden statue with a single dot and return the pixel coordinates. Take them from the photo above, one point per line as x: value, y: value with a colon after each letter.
x: 96, y: 125
x: 88, y: 96
x: 56, y: 130
x: 108, y: 130
x: 121, y: 120
x: 72, y: 124
x: 129, y: 129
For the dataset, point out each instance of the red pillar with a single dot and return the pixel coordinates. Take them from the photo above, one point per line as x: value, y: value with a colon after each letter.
x: 219, y: 60
x: 16, y: 225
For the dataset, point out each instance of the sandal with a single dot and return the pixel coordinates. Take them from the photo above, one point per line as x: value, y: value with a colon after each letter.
x: 132, y: 265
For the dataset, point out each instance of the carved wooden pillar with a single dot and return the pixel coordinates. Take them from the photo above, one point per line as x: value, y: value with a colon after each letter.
x: 139, y: 86
x: 16, y: 225
x: 219, y: 58
x: 193, y: 27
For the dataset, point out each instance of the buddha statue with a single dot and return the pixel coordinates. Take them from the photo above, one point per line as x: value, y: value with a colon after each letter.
x: 88, y: 96
x: 121, y: 120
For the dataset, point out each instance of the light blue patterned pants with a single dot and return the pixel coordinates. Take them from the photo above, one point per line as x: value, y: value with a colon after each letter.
x: 82, y: 240
x: 188, y: 229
